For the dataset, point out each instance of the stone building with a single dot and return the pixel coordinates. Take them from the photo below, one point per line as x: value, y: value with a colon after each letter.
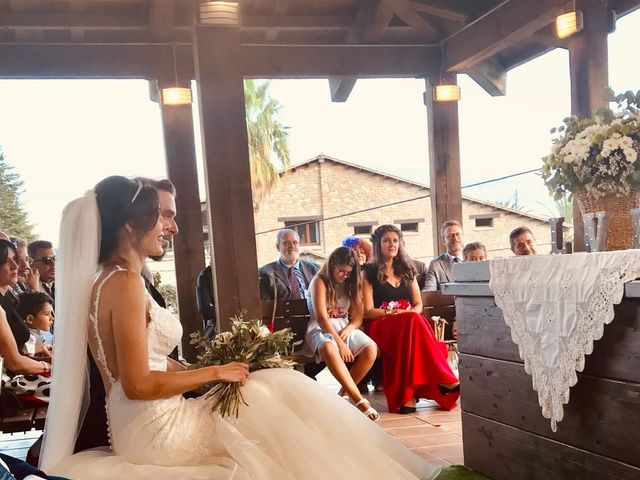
x: 329, y: 199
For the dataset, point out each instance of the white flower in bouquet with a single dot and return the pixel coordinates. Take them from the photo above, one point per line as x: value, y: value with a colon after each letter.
x: 599, y: 154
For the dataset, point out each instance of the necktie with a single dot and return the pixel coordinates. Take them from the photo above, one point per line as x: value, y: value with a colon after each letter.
x: 296, y: 293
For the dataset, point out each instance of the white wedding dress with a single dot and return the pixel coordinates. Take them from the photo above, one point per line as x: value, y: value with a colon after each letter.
x: 292, y: 428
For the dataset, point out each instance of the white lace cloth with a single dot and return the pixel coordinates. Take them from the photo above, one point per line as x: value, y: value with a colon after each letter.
x: 556, y: 307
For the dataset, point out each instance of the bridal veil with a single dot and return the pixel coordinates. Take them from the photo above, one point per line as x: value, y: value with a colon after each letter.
x: 76, y: 265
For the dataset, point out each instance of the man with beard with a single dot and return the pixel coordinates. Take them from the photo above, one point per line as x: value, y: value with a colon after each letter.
x: 440, y: 270
x: 287, y: 278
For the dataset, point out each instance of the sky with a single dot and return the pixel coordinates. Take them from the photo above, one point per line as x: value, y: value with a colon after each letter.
x: 63, y: 136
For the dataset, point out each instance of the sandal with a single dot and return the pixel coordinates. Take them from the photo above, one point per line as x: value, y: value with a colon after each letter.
x: 371, y: 413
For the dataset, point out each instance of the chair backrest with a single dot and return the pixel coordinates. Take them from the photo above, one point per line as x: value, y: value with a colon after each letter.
x: 293, y: 314
x: 448, y: 312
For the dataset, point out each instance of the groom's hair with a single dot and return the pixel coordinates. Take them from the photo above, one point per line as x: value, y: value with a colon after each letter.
x: 163, y: 184
x: 121, y: 201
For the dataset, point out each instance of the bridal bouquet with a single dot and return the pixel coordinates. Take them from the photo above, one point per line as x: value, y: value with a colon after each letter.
x: 248, y: 341
x: 599, y: 154
x: 401, y: 304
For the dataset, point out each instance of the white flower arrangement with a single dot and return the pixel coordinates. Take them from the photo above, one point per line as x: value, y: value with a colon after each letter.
x: 599, y: 154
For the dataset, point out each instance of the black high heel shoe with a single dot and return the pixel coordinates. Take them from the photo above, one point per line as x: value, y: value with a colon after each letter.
x: 444, y: 390
x: 404, y: 410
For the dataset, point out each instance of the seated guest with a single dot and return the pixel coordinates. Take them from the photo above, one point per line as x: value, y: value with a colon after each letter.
x: 28, y: 278
x: 36, y: 310
x: 205, y: 302
x: 361, y: 246
x: 440, y: 270
x: 333, y: 333
x: 414, y: 363
x: 44, y: 260
x: 474, y: 252
x: 14, y: 361
x: 8, y: 299
x: 522, y: 241
x: 287, y: 278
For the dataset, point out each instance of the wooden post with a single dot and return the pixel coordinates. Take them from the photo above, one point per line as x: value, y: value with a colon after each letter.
x: 188, y: 248
x: 444, y: 163
x: 589, y: 76
x: 227, y: 173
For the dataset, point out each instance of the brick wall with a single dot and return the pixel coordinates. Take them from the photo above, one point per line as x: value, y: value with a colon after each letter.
x: 328, y: 188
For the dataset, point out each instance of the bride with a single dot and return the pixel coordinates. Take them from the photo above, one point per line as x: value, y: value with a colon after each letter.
x: 292, y: 428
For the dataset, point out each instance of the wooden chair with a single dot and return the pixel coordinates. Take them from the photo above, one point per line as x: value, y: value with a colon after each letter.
x: 439, y: 308
x: 293, y: 314
x: 24, y: 420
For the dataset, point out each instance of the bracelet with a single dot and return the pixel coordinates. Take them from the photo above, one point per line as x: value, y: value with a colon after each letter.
x: 46, y: 366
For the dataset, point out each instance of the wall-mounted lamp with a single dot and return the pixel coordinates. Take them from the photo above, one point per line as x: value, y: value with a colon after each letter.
x: 220, y: 14
x: 569, y: 23
x: 175, y: 95
x: 446, y: 93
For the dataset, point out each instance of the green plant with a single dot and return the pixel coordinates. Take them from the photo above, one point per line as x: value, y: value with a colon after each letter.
x: 598, y: 154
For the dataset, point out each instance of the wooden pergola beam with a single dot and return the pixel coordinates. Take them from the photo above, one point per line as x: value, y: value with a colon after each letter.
x: 505, y: 25
x: 341, y: 87
x: 161, y: 18
x: 588, y: 62
x: 445, y: 13
x: 219, y: 57
x: 491, y: 76
x: 188, y: 247
x: 91, y: 61
x: 444, y: 162
x: 405, y: 10
x: 275, y: 61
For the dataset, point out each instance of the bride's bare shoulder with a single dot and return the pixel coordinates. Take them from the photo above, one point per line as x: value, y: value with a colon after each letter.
x: 120, y: 283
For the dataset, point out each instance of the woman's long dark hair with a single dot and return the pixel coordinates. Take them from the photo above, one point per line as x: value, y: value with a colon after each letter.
x: 353, y: 284
x: 402, y: 265
x: 5, y: 246
x: 122, y: 201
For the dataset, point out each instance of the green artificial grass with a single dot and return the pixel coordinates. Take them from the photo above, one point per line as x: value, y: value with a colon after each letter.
x: 459, y: 472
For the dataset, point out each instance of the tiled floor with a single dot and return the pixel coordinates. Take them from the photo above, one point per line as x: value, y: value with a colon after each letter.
x: 431, y: 432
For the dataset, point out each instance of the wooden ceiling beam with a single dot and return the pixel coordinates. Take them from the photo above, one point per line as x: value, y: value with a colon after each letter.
x: 297, y: 22
x: 92, y: 61
x: 405, y: 11
x: 373, y: 32
x: 88, y: 21
x: 341, y: 87
x: 491, y: 76
x: 272, y: 61
x: 161, y: 18
x: 509, y: 23
x: 444, y: 13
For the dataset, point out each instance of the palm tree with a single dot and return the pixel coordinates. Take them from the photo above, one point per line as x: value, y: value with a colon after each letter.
x: 565, y: 208
x: 267, y: 139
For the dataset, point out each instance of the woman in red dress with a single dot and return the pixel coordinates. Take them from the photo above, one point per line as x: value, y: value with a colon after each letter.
x: 414, y: 363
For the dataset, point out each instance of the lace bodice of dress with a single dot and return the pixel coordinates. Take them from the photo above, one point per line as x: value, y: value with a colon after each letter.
x: 163, y: 332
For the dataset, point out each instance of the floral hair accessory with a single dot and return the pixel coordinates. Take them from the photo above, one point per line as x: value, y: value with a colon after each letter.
x: 351, y: 242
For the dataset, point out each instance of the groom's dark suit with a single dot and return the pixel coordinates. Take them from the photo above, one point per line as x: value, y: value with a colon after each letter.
x: 93, y: 432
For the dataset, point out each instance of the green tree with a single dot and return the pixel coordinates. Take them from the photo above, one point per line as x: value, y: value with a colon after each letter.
x: 13, y: 218
x: 267, y: 139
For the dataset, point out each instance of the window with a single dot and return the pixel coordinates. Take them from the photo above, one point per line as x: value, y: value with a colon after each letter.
x: 307, y: 229
x: 362, y: 230
x: 409, y: 227
x: 484, y: 222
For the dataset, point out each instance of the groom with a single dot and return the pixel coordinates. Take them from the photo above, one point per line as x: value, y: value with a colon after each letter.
x: 93, y: 432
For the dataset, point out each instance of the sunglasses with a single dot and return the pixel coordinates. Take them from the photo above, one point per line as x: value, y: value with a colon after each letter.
x: 46, y: 260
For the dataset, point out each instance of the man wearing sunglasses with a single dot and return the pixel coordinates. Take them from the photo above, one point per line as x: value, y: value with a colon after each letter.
x: 44, y: 261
